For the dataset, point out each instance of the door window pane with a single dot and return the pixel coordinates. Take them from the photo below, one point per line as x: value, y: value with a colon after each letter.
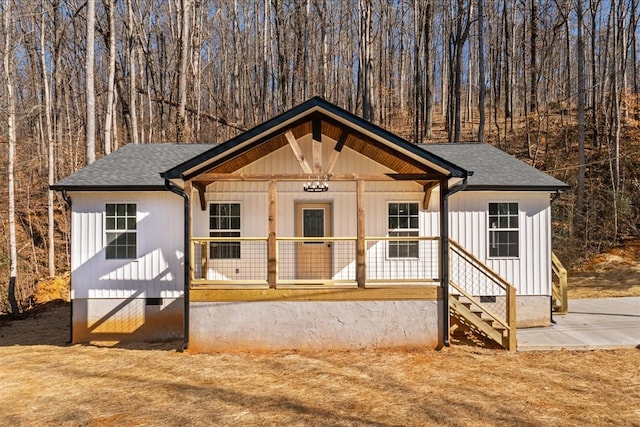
x: 313, y: 222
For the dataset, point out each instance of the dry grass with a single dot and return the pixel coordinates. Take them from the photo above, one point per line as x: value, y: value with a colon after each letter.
x: 45, y: 382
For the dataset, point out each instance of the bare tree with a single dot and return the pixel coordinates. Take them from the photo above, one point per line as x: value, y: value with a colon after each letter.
x: 90, y: 124
x: 579, y: 211
x: 365, y: 12
x: 11, y: 130
x: 481, y: 71
x: 458, y: 38
x: 111, y: 43
x: 182, y: 70
x: 46, y: 96
x: 132, y: 110
x: 533, y: 56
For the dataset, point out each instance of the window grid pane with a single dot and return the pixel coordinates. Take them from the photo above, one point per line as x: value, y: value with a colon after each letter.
x: 120, y: 230
x: 403, y: 221
x: 224, y: 221
x: 503, y: 230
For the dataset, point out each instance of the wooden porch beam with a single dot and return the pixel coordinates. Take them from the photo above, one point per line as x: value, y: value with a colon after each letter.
x: 213, y: 176
x: 297, y: 151
x: 316, y: 145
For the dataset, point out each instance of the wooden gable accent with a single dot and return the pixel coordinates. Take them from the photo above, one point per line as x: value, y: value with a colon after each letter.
x: 342, y: 134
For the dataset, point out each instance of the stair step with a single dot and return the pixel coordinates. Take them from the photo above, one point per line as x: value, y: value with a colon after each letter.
x: 470, y: 316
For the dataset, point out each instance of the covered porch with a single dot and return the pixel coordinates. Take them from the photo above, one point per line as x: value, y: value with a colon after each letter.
x: 318, y: 230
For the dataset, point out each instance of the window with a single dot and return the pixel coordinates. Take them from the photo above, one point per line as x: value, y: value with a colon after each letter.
x: 403, y: 221
x: 313, y: 224
x: 503, y: 230
x: 224, y: 221
x: 120, y: 228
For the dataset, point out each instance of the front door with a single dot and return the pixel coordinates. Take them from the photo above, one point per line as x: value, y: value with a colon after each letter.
x: 313, y: 257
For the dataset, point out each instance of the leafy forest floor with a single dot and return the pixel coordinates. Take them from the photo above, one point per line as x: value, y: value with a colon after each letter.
x: 44, y: 381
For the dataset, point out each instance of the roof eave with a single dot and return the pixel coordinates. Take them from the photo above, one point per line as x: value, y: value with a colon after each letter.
x: 60, y: 187
x: 542, y: 188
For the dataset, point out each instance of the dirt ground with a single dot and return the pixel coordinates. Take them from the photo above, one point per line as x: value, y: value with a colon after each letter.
x: 44, y: 381
x: 615, y: 273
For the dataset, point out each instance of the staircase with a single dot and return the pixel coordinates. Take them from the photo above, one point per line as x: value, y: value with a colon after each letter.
x: 560, y: 302
x: 480, y: 300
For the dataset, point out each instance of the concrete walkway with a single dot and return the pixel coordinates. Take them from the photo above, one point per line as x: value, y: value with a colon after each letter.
x: 590, y: 324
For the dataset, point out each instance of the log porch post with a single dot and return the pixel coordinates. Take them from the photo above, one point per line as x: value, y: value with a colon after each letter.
x: 361, y: 268
x: 272, y: 252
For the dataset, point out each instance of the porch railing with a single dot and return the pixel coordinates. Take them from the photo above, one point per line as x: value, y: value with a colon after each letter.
x: 559, y: 289
x: 483, y: 289
x: 402, y: 259
x: 314, y: 260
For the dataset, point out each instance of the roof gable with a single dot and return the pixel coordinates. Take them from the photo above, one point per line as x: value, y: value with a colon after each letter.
x: 318, y: 117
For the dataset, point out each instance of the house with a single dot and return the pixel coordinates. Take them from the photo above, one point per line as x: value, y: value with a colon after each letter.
x: 315, y: 229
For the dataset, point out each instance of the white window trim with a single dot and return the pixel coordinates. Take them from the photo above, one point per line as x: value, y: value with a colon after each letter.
x: 386, y: 217
x: 241, y: 230
x: 489, y: 229
x: 105, y: 231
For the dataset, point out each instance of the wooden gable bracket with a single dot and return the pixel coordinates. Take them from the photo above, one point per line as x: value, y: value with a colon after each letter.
x: 336, y: 151
x: 316, y: 144
x: 295, y: 147
x: 428, y: 188
x: 202, y: 188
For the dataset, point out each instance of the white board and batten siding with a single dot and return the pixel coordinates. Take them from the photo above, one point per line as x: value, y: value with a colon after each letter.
x: 530, y: 272
x: 157, y: 272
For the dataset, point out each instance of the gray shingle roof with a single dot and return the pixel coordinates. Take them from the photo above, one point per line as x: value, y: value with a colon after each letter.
x: 493, y: 169
x: 134, y: 166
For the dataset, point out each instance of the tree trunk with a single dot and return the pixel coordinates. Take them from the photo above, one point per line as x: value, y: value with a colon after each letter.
x: 182, y: 71
x: 481, y: 72
x: 108, y: 120
x: 462, y: 23
x: 50, y: 146
x: 90, y: 130
x: 132, y: 110
x: 428, y: 68
x: 593, y: 6
x: 11, y: 130
x: 578, y: 220
x: 533, y: 67
x: 366, y: 59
